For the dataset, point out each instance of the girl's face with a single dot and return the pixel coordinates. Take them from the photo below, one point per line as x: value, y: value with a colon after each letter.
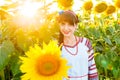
x: 67, y: 29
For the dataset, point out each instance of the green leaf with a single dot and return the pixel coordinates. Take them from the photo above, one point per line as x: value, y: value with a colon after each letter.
x: 6, y: 50
x: 107, y: 40
x: 111, y: 30
x: 97, y: 60
x: 116, y: 72
x: 104, y: 62
x: 117, y: 40
x: 15, y: 64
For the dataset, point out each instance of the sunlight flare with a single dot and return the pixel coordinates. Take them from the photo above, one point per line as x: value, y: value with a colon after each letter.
x: 29, y: 9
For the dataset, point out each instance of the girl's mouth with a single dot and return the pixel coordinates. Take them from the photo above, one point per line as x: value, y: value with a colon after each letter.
x: 66, y: 32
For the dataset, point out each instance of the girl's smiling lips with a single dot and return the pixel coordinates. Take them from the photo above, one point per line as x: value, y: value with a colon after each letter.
x: 66, y: 32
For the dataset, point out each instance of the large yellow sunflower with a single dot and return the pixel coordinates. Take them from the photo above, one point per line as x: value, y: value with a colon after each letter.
x: 44, y: 63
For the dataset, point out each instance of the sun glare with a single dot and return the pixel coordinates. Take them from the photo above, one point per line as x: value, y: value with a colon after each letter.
x: 53, y: 8
x: 2, y: 2
x: 29, y: 9
x: 77, y: 5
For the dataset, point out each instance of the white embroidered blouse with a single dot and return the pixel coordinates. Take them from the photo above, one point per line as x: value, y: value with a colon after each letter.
x: 80, y: 57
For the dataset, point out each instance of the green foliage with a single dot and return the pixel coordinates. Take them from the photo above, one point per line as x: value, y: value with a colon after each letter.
x: 106, y: 43
x: 16, y: 37
x: 15, y: 65
x: 6, y: 50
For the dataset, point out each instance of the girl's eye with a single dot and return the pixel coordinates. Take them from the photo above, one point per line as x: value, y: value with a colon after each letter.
x: 68, y: 24
x: 62, y: 23
x: 71, y: 24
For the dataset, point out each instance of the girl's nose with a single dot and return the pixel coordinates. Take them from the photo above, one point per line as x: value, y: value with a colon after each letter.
x: 66, y: 27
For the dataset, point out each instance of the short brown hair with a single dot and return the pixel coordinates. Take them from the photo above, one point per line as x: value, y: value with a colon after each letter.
x: 68, y: 16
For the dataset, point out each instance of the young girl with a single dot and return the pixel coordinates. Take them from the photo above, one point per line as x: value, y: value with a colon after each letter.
x: 77, y: 50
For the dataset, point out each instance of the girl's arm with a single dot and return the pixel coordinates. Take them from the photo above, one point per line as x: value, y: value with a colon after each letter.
x: 92, y: 74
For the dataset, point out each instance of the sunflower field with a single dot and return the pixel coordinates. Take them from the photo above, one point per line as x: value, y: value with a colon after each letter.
x: 24, y: 23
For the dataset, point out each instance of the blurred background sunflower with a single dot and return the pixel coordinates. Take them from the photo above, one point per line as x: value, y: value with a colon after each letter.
x: 111, y: 9
x: 117, y: 3
x: 88, y: 5
x: 44, y: 63
x: 65, y: 4
x: 100, y: 7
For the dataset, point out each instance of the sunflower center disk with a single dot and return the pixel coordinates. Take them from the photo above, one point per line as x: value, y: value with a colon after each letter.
x: 48, y: 65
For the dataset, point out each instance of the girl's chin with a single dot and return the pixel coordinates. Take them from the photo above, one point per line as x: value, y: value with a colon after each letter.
x: 66, y: 35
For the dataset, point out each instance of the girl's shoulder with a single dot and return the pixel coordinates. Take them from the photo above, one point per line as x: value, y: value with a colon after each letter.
x: 83, y: 39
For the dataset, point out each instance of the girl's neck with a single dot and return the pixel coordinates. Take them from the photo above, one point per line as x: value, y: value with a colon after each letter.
x: 70, y: 41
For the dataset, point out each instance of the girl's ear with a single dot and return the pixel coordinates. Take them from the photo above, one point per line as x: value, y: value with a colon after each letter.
x: 75, y: 25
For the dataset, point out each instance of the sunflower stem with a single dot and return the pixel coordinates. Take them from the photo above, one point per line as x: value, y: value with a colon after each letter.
x: 2, y: 76
x: 106, y: 73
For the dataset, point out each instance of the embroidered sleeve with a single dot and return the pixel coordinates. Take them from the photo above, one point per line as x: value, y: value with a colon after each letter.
x: 92, y: 74
x: 96, y: 78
